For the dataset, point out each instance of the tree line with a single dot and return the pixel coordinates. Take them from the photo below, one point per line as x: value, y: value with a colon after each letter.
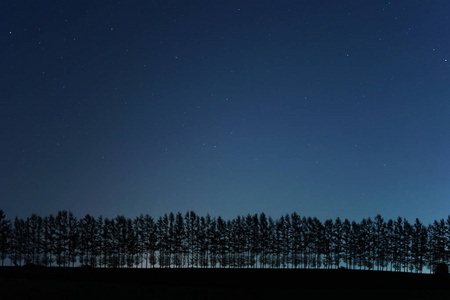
x: 252, y: 241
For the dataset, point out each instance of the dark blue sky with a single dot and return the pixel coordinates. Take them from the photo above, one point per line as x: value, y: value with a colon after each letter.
x: 327, y: 108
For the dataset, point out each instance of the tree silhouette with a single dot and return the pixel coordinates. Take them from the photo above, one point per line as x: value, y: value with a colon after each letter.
x: 249, y: 241
x: 178, y: 240
x: 419, y: 246
x: 150, y: 240
x: 34, y: 240
x: 222, y: 243
x: 346, y: 243
x: 380, y: 243
x: 73, y: 239
x: 48, y: 249
x: 439, y: 235
x: 337, y: 243
x: 5, y: 237
x: 89, y: 241
x: 18, y: 243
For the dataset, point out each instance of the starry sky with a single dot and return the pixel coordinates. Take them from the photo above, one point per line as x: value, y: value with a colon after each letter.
x: 326, y: 108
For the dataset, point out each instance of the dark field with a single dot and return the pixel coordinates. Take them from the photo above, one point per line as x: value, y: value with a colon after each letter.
x: 84, y: 283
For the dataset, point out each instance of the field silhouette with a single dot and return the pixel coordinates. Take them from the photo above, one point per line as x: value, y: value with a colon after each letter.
x: 197, y: 283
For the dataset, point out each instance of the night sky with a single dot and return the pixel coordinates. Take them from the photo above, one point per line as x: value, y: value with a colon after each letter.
x: 327, y: 108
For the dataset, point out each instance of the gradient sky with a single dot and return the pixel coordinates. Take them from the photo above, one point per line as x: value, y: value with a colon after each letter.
x: 328, y: 108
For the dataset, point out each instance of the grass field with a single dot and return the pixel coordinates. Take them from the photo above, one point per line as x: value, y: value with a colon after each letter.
x: 81, y: 283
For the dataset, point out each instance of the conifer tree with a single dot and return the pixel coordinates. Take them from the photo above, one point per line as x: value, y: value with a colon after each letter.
x: 5, y: 237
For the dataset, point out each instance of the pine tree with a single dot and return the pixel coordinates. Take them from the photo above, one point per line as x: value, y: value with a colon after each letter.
x: 296, y: 240
x: 390, y: 244
x: 222, y: 243
x: 62, y: 238
x: 418, y: 246
x: 337, y: 242
x: 380, y: 242
x: 202, y: 242
x: 252, y: 239
x: 285, y: 241
x: 212, y: 238
x: 109, y: 244
x: 73, y: 237
x: 438, y: 243
x: 346, y: 243
x: 355, y: 252
x: 178, y: 240
x: 162, y: 233
x: 5, y: 237
x: 88, y: 241
x: 151, y: 241
x: 398, y: 246
x: 237, y: 242
x: 34, y: 239
x: 264, y: 235
x: 19, y: 242
x: 317, y: 233
x: 407, y: 246
x: 327, y: 243
x: 192, y: 225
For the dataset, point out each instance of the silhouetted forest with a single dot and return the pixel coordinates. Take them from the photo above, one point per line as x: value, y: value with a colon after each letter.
x: 252, y: 241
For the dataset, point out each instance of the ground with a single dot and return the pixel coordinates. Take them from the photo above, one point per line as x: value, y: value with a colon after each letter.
x: 76, y: 283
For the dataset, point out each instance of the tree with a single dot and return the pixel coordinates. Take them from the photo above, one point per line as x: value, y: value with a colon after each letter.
x: 48, y: 247
x: 192, y: 226
x: 73, y: 238
x: 131, y: 245
x: 89, y: 241
x: 407, y: 246
x: 222, y: 243
x: 150, y: 240
x: 202, y: 243
x: 212, y: 238
x: 327, y: 243
x: 178, y: 240
x: 139, y: 235
x: 316, y: 228
x: 347, y: 243
x: 397, y: 243
x: 5, y: 237
x: 162, y: 233
x: 237, y: 242
x: 109, y: 244
x: 389, y: 236
x: 367, y: 240
x: 355, y: 253
x: 438, y: 243
x: 19, y: 241
x: 380, y: 242
x: 337, y: 242
x: 34, y: 241
x: 62, y: 238
x: 297, y: 245
x: 418, y: 246
x: 264, y: 239
x: 272, y: 239
x: 123, y: 241
x: 284, y: 239
x: 252, y: 239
